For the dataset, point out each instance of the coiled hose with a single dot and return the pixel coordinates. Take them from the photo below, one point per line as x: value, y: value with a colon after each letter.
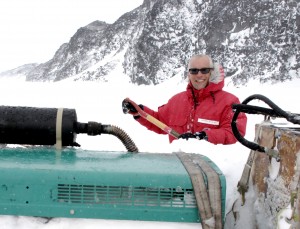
x: 121, y: 135
x: 95, y: 128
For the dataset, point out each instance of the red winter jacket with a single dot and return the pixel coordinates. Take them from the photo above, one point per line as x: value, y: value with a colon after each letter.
x: 211, y: 112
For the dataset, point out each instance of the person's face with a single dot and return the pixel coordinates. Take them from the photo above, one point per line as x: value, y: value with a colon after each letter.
x: 199, y: 79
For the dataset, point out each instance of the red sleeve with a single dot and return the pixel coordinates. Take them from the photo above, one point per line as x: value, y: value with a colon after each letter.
x: 148, y: 124
x: 224, y: 134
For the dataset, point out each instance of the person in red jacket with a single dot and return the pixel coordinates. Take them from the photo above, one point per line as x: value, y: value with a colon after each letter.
x: 203, y: 111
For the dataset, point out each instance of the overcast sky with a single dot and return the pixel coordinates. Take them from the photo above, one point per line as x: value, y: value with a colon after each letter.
x: 32, y: 30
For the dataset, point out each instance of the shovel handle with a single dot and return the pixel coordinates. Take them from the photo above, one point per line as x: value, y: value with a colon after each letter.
x: 153, y: 120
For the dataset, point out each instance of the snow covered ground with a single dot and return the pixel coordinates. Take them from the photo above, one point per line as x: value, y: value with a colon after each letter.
x: 101, y: 102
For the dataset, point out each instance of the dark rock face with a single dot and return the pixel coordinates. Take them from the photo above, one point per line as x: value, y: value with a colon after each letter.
x: 250, y: 38
x: 261, y: 39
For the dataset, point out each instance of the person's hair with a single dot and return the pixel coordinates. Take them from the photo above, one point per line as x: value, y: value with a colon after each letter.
x: 197, y: 56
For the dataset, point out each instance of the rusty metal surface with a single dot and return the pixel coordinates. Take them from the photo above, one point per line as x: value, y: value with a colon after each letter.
x: 287, y: 146
x: 277, y: 191
x: 261, y: 163
x: 274, y: 186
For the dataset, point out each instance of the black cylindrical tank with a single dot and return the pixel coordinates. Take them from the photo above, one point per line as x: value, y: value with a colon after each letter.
x: 37, y: 126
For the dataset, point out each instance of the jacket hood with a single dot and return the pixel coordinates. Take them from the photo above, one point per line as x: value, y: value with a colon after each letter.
x: 217, y: 74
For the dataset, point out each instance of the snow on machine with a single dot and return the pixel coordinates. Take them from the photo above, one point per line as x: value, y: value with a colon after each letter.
x: 50, y: 177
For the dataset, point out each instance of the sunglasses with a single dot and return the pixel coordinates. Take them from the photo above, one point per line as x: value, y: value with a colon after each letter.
x: 195, y: 71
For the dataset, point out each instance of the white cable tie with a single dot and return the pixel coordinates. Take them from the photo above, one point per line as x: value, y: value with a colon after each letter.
x: 58, y: 131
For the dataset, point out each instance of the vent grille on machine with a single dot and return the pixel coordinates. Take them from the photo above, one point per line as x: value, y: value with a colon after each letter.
x: 122, y: 195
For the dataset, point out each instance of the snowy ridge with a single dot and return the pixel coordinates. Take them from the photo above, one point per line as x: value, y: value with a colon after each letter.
x: 253, y: 39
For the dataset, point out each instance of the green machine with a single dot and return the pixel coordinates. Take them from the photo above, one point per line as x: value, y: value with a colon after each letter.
x: 64, y: 181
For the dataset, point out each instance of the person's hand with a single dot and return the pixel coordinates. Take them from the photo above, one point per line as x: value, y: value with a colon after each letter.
x: 198, y: 135
x: 128, y: 108
x: 187, y: 136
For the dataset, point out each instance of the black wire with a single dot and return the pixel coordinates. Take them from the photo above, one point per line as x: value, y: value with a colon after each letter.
x: 254, y: 110
x: 274, y: 112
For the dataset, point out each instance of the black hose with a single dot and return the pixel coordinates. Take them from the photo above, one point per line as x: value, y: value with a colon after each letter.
x: 240, y: 138
x: 274, y: 112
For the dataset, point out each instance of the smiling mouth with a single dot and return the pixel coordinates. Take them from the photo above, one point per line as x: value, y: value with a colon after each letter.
x: 199, y: 81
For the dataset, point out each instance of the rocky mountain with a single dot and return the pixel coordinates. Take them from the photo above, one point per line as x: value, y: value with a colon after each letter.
x: 152, y: 43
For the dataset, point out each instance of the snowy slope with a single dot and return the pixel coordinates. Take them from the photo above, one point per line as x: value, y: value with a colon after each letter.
x: 101, y: 102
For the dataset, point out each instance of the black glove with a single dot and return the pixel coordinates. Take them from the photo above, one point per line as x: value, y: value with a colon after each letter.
x: 199, y: 135
x: 128, y: 108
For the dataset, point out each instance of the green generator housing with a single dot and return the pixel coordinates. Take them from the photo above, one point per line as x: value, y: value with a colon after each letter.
x: 75, y: 183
